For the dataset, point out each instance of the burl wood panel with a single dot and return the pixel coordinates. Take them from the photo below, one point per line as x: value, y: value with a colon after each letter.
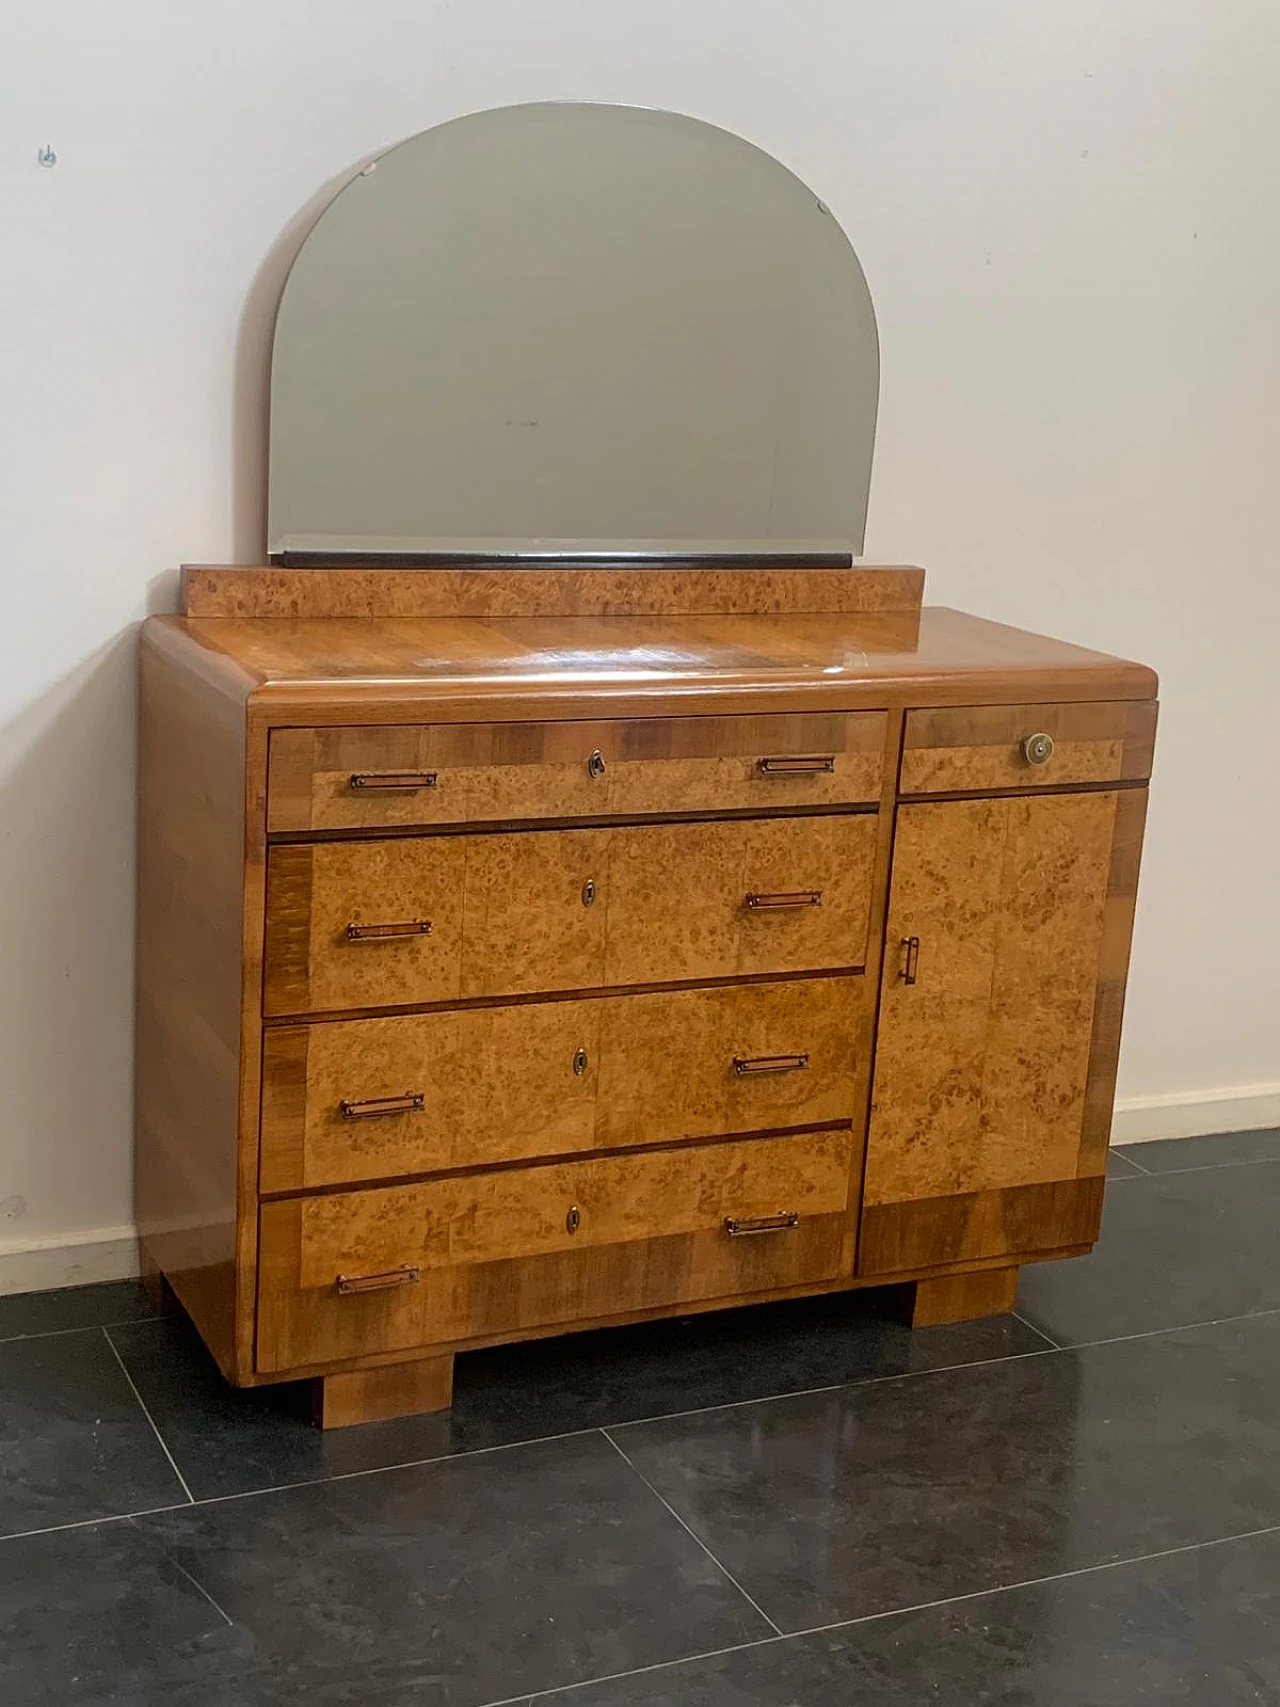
x: 369, y: 591
x: 972, y: 749
x: 503, y: 1084
x: 460, y: 1231
x: 491, y: 771
x: 191, y: 836
x: 896, y: 1238
x: 982, y: 1064
x: 509, y: 911
x: 963, y: 1297
x: 391, y: 1390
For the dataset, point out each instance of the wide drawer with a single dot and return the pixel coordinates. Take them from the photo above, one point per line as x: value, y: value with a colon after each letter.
x: 372, y: 1099
x: 426, y: 774
x: 977, y: 748
x: 361, y: 1272
x: 427, y: 919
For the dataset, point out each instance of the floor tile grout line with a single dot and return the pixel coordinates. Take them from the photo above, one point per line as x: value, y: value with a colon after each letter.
x: 692, y: 1533
x: 195, y: 1583
x: 1128, y: 1158
x: 891, y: 1612
x: 164, y: 1446
x: 1047, y: 1338
x: 93, y: 1522
x: 1178, y: 1328
x: 1203, y: 1167
x: 87, y: 1328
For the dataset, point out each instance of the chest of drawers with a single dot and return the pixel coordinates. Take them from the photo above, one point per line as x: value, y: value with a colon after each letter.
x: 509, y: 964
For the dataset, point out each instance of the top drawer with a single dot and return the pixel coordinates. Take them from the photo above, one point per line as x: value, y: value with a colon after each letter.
x: 443, y: 773
x: 977, y: 748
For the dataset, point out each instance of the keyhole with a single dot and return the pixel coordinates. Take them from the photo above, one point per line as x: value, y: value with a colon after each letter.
x: 573, y: 1220
x: 588, y: 891
x: 580, y: 1062
x: 595, y: 764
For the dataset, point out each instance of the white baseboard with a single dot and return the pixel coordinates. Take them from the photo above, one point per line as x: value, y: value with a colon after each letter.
x: 74, y: 1259
x: 1195, y: 1114
x: 111, y: 1253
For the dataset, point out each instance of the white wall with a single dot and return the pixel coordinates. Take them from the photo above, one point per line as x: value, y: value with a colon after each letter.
x: 1067, y: 214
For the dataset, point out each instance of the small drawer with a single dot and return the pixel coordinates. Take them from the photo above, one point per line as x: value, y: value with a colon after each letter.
x: 372, y: 1099
x: 353, y: 1273
x: 417, y: 920
x: 427, y: 774
x: 980, y: 748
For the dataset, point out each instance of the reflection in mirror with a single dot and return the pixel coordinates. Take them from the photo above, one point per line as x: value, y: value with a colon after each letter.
x: 559, y: 329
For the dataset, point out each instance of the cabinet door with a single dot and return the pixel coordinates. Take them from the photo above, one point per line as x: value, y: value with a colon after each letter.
x: 1006, y: 950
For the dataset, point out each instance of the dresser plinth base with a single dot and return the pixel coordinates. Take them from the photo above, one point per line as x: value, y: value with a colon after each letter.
x: 962, y: 1297
x: 376, y: 1395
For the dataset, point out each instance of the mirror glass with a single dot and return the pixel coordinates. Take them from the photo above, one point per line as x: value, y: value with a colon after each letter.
x: 569, y: 329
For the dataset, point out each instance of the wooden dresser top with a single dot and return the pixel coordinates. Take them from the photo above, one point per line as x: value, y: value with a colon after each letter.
x: 831, y: 640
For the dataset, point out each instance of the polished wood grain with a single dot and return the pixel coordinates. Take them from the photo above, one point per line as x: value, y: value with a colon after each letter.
x: 1016, y: 1220
x: 456, y: 1232
x: 982, y: 1063
x: 349, y: 671
x: 377, y: 591
x: 504, y: 1084
x: 377, y: 1395
x: 963, y: 1297
x: 562, y: 910
x: 191, y: 832
x: 978, y: 749
x: 330, y: 779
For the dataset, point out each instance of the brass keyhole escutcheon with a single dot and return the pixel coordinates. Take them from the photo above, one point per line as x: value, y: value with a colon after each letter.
x: 1038, y: 749
x: 580, y: 1062
x: 588, y: 892
x: 595, y: 764
x: 573, y: 1220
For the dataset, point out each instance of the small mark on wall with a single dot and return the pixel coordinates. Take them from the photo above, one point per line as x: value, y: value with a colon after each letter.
x: 13, y: 1208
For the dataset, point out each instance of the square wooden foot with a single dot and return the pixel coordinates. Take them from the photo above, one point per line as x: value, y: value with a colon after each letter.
x: 962, y: 1297
x: 374, y: 1395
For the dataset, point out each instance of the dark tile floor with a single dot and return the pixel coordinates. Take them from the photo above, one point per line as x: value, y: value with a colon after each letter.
x: 799, y: 1504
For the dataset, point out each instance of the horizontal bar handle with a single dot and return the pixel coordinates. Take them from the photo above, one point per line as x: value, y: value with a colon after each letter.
x: 385, y: 933
x: 788, y: 898
x: 393, y: 782
x: 751, y: 1065
x: 412, y: 1102
x: 349, y: 1283
x: 798, y: 764
x: 748, y: 1226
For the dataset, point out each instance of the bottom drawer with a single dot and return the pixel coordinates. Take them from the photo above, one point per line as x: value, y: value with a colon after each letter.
x: 353, y: 1273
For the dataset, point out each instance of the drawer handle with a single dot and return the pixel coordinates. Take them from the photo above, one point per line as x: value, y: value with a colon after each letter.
x: 910, y: 959
x: 787, y: 764
x: 348, y: 1283
x: 386, y: 933
x: 412, y: 1102
x: 791, y: 898
x: 393, y: 782
x: 752, y: 1065
x: 747, y: 1226
x: 1038, y: 749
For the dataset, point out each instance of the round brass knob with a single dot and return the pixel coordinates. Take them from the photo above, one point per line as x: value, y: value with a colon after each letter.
x: 1038, y: 749
x: 595, y: 764
x: 580, y: 1062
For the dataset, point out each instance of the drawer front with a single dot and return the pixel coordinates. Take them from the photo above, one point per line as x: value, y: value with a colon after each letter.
x: 426, y: 774
x: 414, y: 1265
x: 974, y: 749
x: 373, y: 1099
x: 449, y: 918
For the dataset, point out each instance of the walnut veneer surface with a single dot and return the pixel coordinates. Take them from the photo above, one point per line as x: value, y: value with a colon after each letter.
x: 521, y: 950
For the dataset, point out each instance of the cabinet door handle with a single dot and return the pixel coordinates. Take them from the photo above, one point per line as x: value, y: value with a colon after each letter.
x: 786, y: 898
x: 788, y: 764
x: 349, y: 1283
x: 747, y: 1226
x: 752, y: 1065
x: 910, y: 959
x: 412, y: 1102
x: 386, y: 933
x: 392, y: 782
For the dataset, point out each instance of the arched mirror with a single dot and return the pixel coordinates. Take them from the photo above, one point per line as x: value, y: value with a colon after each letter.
x: 559, y: 330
